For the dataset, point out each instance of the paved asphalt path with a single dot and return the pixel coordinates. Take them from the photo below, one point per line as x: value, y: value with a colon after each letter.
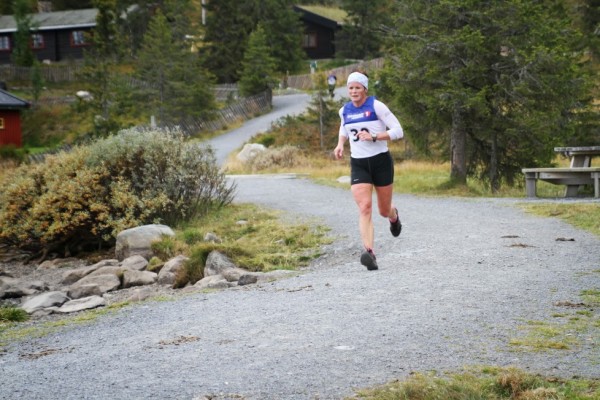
x: 291, y: 104
x: 463, y: 280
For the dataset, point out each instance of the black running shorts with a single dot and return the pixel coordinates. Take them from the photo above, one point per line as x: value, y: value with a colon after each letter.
x: 377, y: 170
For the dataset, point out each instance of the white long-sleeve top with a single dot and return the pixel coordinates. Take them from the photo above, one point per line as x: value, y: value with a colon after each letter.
x: 373, y: 116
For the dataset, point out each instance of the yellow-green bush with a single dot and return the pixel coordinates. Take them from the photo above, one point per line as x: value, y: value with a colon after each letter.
x: 83, y: 198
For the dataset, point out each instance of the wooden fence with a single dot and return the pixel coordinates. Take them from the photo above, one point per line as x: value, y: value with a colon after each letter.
x: 50, y: 73
x: 242, y: 110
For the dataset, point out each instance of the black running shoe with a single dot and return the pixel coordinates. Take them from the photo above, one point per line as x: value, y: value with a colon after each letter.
x: 367, y: 258
x: 396, y: 227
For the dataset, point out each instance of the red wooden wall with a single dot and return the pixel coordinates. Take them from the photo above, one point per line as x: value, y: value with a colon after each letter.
x: 11, y: 132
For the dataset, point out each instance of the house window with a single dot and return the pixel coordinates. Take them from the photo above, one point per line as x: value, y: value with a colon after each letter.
x: 4, y: 43
x: 309, y: 40
x: 1, y: 123
x: 37, y: 41
x: 78, y: 38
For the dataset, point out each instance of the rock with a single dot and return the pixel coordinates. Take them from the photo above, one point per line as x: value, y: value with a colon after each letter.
x: 168, y: 273
x: 79, y: 291
x: 85, y: 303
x: 211, y: 237
x: 108, y: 270
x: 139, y: 240
x: 12, y: 288
x: 219, y: 264
x: 138, y: 278
x: 61, y: 263
x: 135, y: 262
x: 76, y: 274
x: 247, y: 279
x: 213, y: 282
x: 249, y: 151
x: 139, y: 295
x: 106, y: 283
x: 44, y: 300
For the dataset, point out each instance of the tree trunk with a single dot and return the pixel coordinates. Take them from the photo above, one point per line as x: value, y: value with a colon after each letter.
x: 458, y: 147
x: 494, y: 176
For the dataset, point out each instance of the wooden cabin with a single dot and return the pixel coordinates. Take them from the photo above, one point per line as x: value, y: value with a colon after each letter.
x: 10, y: 119
x: 57, y: 36
x: 321, y: 26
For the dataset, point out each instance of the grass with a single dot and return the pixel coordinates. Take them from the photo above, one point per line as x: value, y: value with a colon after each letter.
x: 485, y: 383
x: 10, y: 331
x: 582, y: 215
x: 255, y: 239
x: 12, y: 314
x: 577, y: 324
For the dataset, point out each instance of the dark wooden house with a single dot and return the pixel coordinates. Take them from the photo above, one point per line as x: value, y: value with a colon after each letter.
x: 320, y: 30
x: 58, y: 36
x: 10, y: 118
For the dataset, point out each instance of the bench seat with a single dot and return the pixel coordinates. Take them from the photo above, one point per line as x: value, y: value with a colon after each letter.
x: 571, y: 177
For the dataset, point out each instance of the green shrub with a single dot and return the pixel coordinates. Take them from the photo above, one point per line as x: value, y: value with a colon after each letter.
x: 192, y: 235
x: 266, y: 139
x: 278, y: 157
x: 12, y: 314
x: 11, y: 152
x: 82, y: 199
x: 165, y: 248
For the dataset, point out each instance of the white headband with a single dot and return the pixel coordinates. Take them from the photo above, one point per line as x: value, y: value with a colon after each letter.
x: 358, y: 77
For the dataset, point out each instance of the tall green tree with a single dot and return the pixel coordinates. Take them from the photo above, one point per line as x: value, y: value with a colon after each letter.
x: 283, y: 30
x: 494, y: 85
x: 22, y: 54
x: 178, y: 85
x: 100, y: 69
x: 362, y: 35
x: 228, y: 27
x: 258, y: 67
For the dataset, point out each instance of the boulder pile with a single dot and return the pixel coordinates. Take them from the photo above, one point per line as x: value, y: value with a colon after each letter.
x: 82, y: 287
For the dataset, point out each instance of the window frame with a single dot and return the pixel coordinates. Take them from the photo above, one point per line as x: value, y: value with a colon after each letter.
x: 36, y: 44
x: 310, y: 40
x: 76, y: 43
x: 2, y: 126
x: 5, y: 39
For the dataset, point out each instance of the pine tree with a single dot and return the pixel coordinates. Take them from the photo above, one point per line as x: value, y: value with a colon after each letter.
x: 22, y: 54
x: 228, y: 29
x: 495, y: 84
x: 258, y: 66
x: 99, y: 69
x: 178, y: 85
x: 283, y: 30
x: 362, y: 36
x: 228, y: 26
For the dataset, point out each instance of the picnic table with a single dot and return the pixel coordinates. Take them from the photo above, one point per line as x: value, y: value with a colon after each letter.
x: 581, y: 157
x: 580, y: 172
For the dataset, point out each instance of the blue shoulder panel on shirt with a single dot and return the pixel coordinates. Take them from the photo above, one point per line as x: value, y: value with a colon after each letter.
x: 364, y: 113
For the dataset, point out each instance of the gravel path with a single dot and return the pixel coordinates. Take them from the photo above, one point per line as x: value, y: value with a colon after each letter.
x: 451, y: 291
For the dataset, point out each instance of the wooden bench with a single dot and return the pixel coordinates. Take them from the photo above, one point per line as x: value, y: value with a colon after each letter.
x: 571, y: 177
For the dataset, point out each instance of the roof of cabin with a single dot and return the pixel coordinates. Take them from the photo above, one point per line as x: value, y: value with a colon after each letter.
x: 54, y: 20
x: 11, y: 102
